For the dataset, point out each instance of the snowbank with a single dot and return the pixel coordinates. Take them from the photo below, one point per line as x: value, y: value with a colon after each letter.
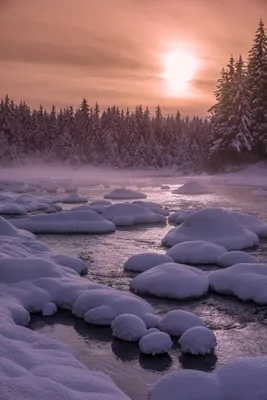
x: 155, y: 343
x: 245, y: 281
x: 234, y: 257
x: 154, y: 207
x: 198, y: 341
x: 130, y: 214
x: 124, y: 194
x: 176, y: 322
x: 144, y: 261
x: 196, y: 252
x: 67, y: 222
x: 128, y: 327
x: 213, y: 225
x: 170, y: 280
x: 192, y: 187
x: 74, y: 198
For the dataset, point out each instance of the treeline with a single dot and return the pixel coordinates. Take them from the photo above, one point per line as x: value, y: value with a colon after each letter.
x: 236, y: 132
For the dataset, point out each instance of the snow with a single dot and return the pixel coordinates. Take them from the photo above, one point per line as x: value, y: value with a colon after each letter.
x: 100, y: 203
x: 170, y: 280
x: 234, y: 257
x: 49, y: 309
x: 71, y: 189
x: 260, y: 192
x: 12, y: 209
x: 196, y: 252
x: 246, y: 281
x: 155, y: 343
x: 7, y: 229
x: 154, y: 207
x: 178, y: 217
x: 74, y: 198
x: 251, y: 223
x: 67, y: 222
x: 198, y: 341
x: 126, y: 214
x: 97, y: 208
x: 165, y: 187
x: 71, y: 262
x: 124, y: 194
x: 192, y: 187
x: 152, y: 330
x: 35, y: 365
x: 213, y: 225
x: 11, y: 203
x: 128, y: 327
x: 51, y: 210
x: 176, y: 322
x: 144, y: 261
x: 151, y: 320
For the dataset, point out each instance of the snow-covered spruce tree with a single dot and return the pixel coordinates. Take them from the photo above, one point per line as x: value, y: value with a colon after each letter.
x: 8, y: 145
x: 257, y: 85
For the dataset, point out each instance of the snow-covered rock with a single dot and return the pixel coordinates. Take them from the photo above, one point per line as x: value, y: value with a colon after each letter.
x: 165, y: 187
x: 49, y: 309
x: 152, y: 330
x: 100, y: 203
x: 192, y: 187
x: 71, y: 189
x: 74, y: 198
x: 170, y: 280
x: 245, y: 281
x: 176, y: 322
x: 7, y: 229
x: 67, y: 222
x: 126, y: 214
x: 213, y: 225
x: 124, y: 194
x: 11, y: 208
x: 71, y: 262
x: 234, y: 257
x: 144, y: 261
x: 85, y: 207
x: 51, y: 210
x: 251, y: 223
x: 178, y: 217
x: 198, y: 341
x: 128, y: 327
x: 154, y: 207
x: 155, y: 343
x: 196, y: 252
x: 151, y: 320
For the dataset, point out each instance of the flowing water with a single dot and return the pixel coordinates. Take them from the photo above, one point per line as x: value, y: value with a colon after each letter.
x: 240, y: 328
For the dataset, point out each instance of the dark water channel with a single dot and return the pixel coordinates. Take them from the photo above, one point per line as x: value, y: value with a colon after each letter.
x: 240, y: 328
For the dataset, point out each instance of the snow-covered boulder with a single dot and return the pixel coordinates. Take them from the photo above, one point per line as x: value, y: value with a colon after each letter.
x: 155, y: 343
x: 85, y: 207
x: 198, y: 341
x: 245, y: 281
x: 49, y: 309
x: 130, y: 214
x: 128, y: 327
x: 151, y: 320
x: 165, y: 187
x: 192, y: 187
x: 51, y: 210
x: 74, y: 198
x: 196, y: 252
x: 213, y: 225
x: 154, y: 207
x: 170, y: 280
x: 152, y: 330
x: 144, y: 261
x: 67, y: 222
x: 35, y: 203
x: 11, y: 208
x: 234, y: 257
x: 71, y: 189
x: 251, y: 223
x: 100, y: 203
x: 176, y: 322
x: 71, y: 262
x: 7, y: 229
x: 124, y: 194
x: 178, y: 217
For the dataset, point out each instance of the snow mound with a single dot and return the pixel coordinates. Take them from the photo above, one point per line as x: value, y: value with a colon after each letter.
x: 71, y: 189
x: 152, y: 330
x: 68, y: 222
x: 176, y: 322
x: 192, y: 187
x: 234, y: 257
x: 100, y: 203
x: 154, y: 207
x: 155, y: 343
x: 98, y: 209
x: 213, y: 225
x: 128, y: 327
x: 245, y: 281
x: 49, y: 309
x: 23, y: 203
x: 188, y: 385
x: 178, y: 217
x: 12, y: 209
x: 144, y: 261
x: 37, y: 366
x: 198, y: 341
x: 151, y: 320
x: 74, y: 198
x: 130, y: 214
x: 251, y: 223
x: 170, y: 280
x: 165, y: 187
x: 51, y: 210
x: 124, y: 194
x: 7, y: 229
x: 71, y: 262
x: 196, y: 252
x: 260, y: 192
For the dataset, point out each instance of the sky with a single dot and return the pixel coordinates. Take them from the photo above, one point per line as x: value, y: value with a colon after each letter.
x: 115, y: 51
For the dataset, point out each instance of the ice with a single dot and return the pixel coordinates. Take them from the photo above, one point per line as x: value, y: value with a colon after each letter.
x: 247, y: 281
x: 49, y: 309
x: 196, y: 252
x: 176, y: 322
x: 251, y: 223
x: 154, y: 207
x: 144, y: 261
x: 198, y: 341
x: 155, y: 343
x: 151, y: 320
x: 74, y: 198
x: 192, y: 187
x: 178, y: 217
x: 126, y: 214
x: 213, y: 225
x: 124, y: 194
x: 67, y: 222
x: 128, y: 327
x: 170, y: 280
x: 234, y: 257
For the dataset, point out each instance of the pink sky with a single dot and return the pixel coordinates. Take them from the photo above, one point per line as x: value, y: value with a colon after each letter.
x: 112, y: 51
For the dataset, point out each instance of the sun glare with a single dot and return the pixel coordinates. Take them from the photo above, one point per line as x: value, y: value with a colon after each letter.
x: 180, y: 67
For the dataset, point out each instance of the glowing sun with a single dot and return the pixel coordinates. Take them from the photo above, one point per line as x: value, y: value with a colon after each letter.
x: 180, y: 67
